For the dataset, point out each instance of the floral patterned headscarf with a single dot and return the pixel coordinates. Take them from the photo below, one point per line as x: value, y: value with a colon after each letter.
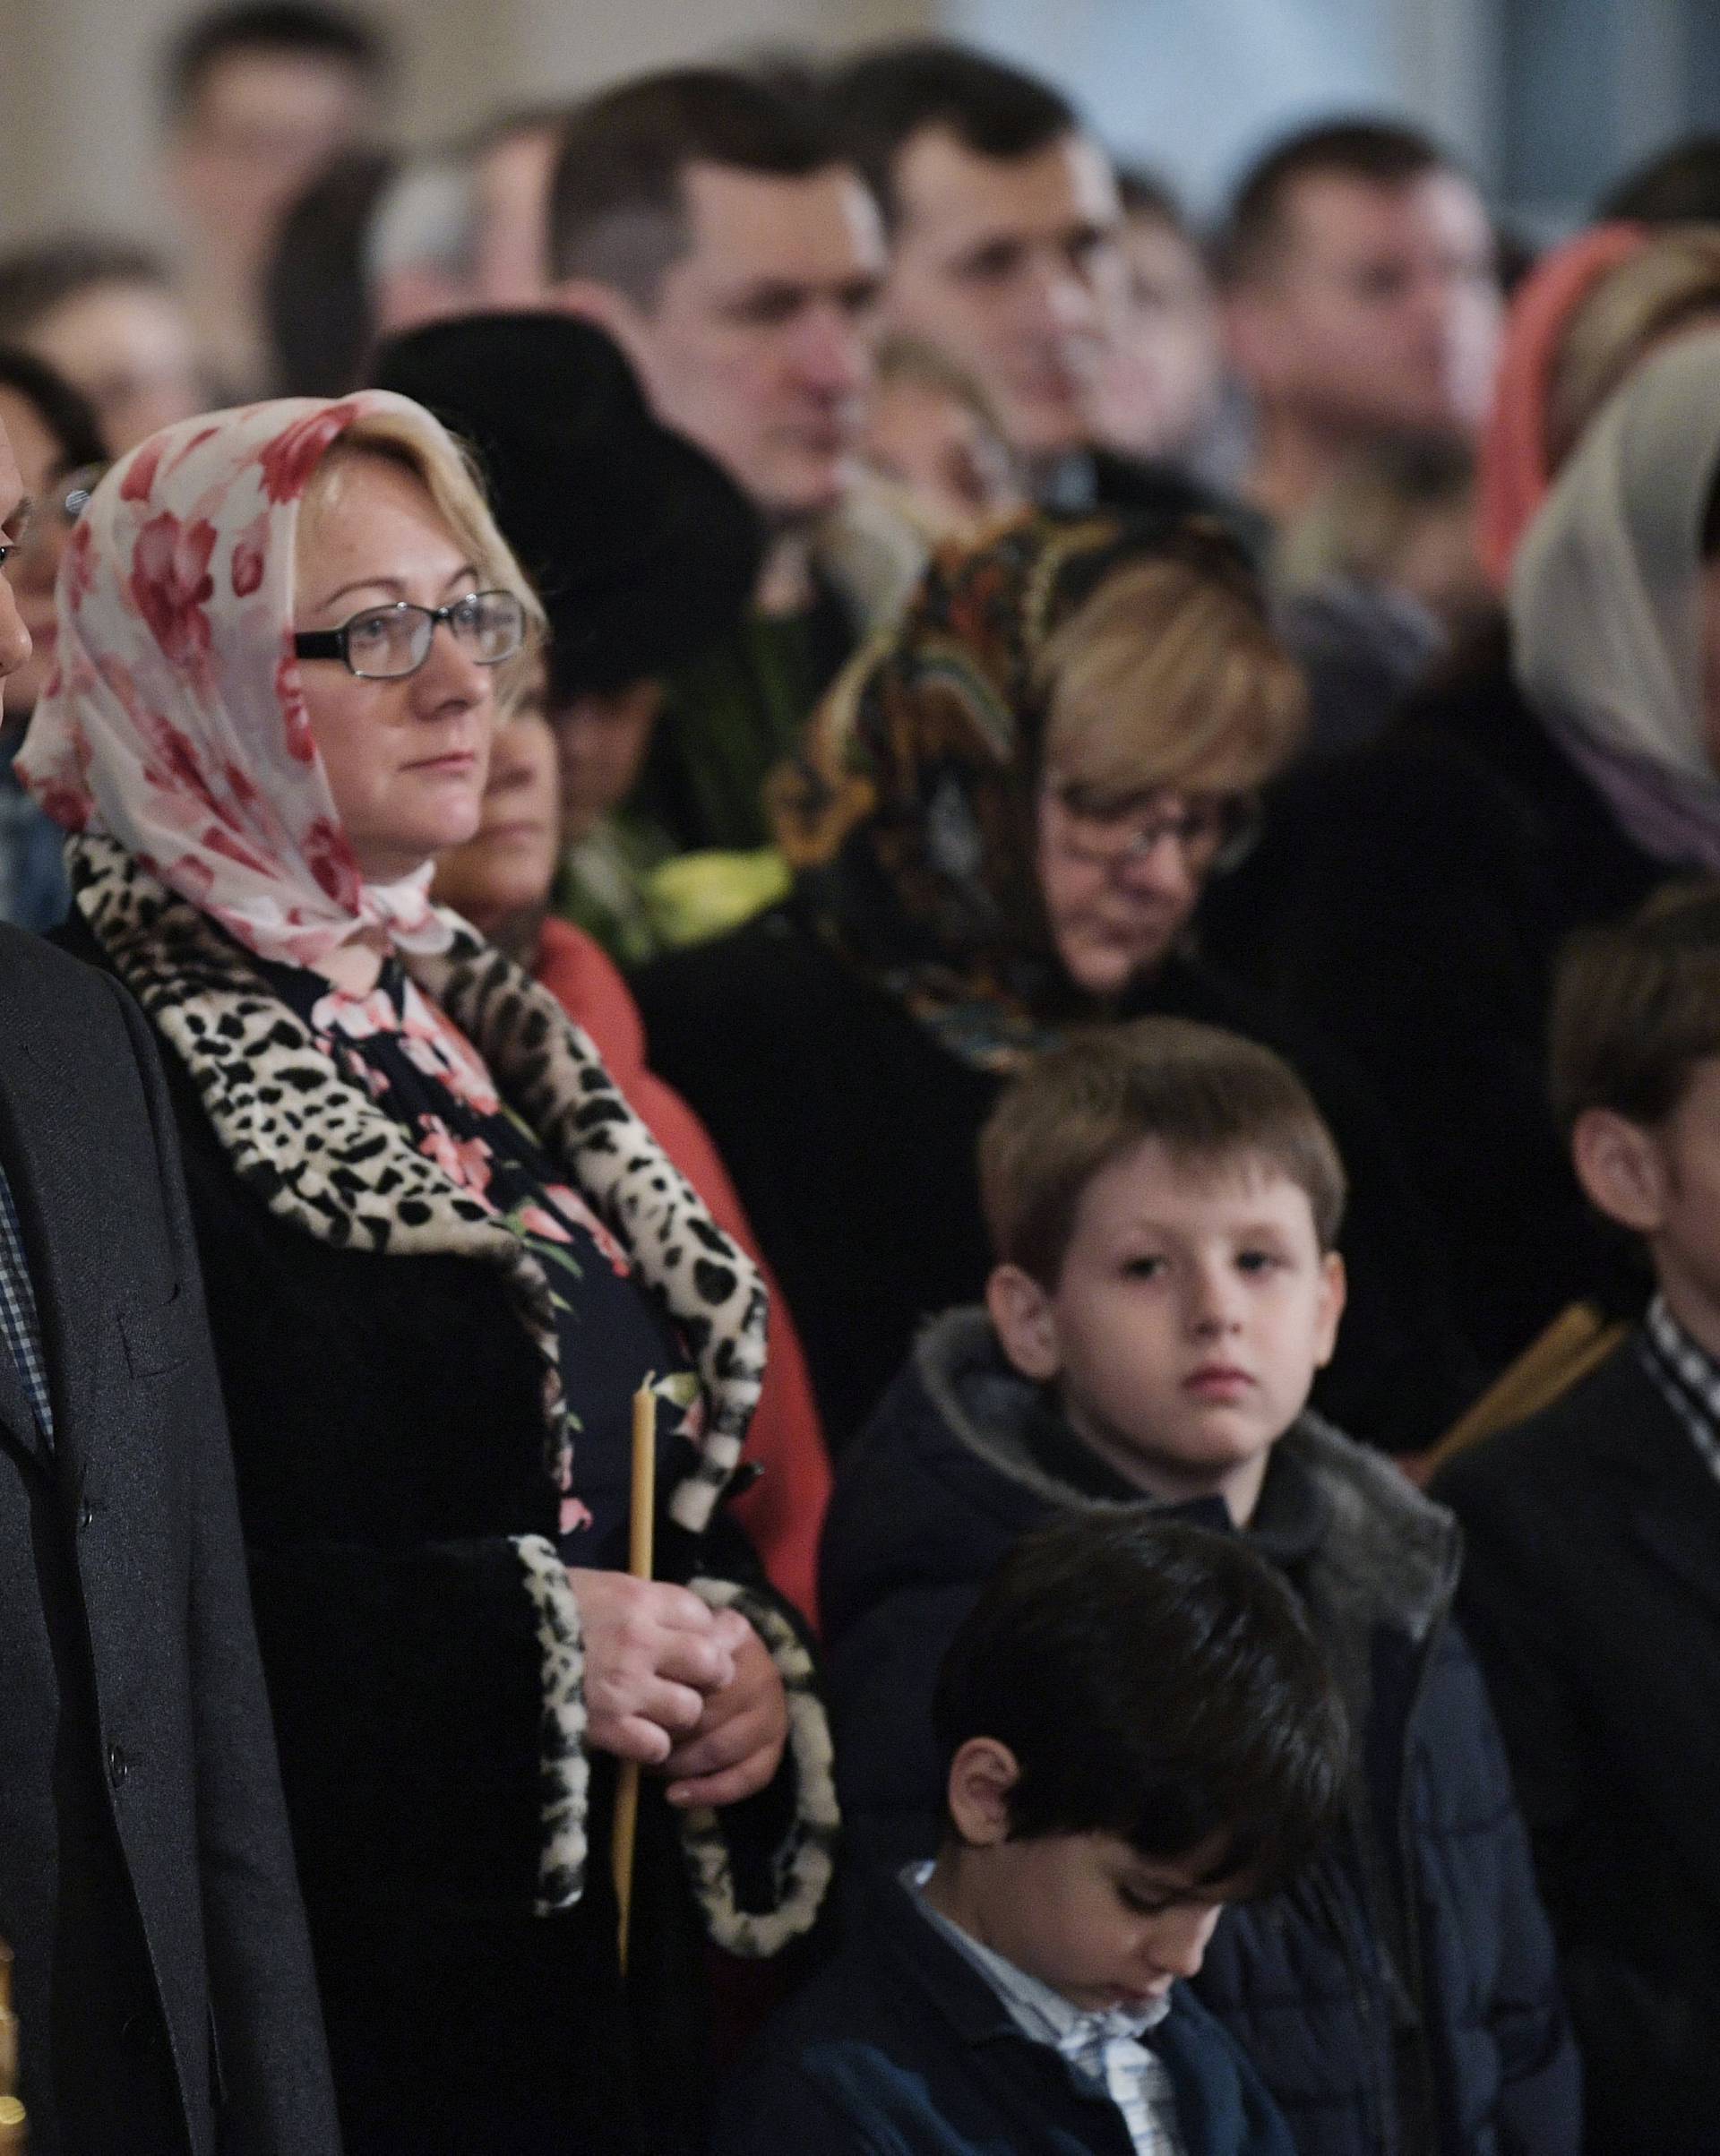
x: 175, y: 720
x: 909, y: 817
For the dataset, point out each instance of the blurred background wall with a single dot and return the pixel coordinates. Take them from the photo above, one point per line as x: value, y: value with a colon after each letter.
x: 1550, y: 98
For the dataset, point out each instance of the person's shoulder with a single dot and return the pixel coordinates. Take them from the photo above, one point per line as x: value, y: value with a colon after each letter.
x: 1235, y: 2098
x: 54, y: 995
x: 774, y: 956
x: 827, y: 2055
x: 1389, y: 1548
x: 27, y: 959
x: 917, y: 1498
x: 1462, y: 743
x: 1558, y: 1459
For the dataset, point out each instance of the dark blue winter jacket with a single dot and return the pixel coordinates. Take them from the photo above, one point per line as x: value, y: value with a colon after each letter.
x: 1403, y: 2000
x: 900, y: 2048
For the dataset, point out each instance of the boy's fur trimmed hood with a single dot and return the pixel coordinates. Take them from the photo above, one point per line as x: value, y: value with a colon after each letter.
x: 1389, y: 1555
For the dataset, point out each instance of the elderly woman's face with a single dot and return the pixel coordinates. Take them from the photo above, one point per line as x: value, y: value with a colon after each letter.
x: 405, y: 759
x: 1120, y: 886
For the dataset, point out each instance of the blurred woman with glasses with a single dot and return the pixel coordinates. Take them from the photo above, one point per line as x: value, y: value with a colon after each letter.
x: 1002, y: 826
x: 60, y: 455
x: 443, y: 1255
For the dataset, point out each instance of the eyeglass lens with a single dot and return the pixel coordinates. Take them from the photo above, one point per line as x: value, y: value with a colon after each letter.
x: 1130, y: 830
x: 392, y: 641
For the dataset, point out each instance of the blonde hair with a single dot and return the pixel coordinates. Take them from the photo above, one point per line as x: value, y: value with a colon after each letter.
x: 413, y: 439
x: 1168, y: 675
x: 1673, y: 282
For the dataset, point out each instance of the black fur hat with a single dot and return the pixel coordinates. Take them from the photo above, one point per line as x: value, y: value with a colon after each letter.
x: 643, y: 550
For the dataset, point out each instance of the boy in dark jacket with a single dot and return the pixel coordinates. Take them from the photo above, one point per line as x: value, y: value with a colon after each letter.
x: 1591, y: 1583
x: 1163, y: 1199
x: 1021, y: 1990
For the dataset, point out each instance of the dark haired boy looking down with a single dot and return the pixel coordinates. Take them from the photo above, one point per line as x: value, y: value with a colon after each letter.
x: 1021, y: 1990
x: 1162, y: 1198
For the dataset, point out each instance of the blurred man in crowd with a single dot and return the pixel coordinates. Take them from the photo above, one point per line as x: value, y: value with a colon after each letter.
x: 1004, y: 225
x: 702, y: 217
x: 421, y: 250
x: 258, y: 97
x: 1362, y: 299
x: 1002, y: 218
x: 513, y: 165
x: 105, y: 316
x: 1160, y: 386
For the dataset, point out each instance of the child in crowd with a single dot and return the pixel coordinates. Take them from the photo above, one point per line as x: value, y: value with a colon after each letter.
x: 1591, y: 1583
x: 1163, y: 1199
x: 1136, y: 1727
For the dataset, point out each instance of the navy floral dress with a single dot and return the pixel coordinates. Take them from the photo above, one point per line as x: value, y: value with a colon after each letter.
x: 423, y: 1072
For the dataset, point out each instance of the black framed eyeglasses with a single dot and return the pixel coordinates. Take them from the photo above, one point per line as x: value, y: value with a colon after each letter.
x: 1216, y: 832
x: 386, y: 643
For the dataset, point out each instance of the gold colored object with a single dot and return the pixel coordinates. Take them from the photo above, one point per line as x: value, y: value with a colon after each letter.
x: 12, y: 2112
x: 641, y: 1556
x: 1576, y: 1341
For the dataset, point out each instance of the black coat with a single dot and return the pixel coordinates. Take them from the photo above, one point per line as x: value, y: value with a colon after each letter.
x: 1592, y: 1591
x: 387, y: 1404
x: 1409, y: 907
x: 1411, y: 1970
x: 164, y: 1983
x: 902, y: 2045
x: 851, y: 1135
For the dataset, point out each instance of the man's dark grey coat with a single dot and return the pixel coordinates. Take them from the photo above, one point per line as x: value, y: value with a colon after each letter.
x: 164, y: 1983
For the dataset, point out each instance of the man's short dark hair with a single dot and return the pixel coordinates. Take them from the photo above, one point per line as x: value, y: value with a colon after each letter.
x: 880, y: 102
x: 617, y: 203
x: 37, y: 280
x: 1681, y: 186
x: 1379, y: 153
x: 1156, y: 1681
x: 300, y: 30
x: 64, y: 411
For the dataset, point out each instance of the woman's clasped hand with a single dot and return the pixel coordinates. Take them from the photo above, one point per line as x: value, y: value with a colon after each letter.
x: 678, y: 1686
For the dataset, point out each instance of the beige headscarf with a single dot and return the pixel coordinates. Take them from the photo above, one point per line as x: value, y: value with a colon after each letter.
x: 1606, y: 604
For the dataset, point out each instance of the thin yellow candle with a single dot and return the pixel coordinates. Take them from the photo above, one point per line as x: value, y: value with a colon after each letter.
x: 640, y: 1558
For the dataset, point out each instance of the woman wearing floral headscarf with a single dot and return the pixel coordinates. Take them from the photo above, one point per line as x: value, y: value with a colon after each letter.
x: 442, y: 1254
x: 1003, y: 824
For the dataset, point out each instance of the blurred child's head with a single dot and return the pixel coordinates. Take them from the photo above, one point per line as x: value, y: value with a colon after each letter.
x: 1138, y: 1728
x: 1163, y: 1200
x: 1636, y: 1083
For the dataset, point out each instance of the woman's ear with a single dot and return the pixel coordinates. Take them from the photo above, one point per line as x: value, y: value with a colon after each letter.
x: 1024, y: 1322
x: 981, y: 1775
x: 1621, y: 1168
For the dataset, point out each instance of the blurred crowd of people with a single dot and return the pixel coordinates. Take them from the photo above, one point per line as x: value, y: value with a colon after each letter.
x: 774, y: 745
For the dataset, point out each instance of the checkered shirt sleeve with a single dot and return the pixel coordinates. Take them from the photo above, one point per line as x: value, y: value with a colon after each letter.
x: 18, y: 1311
